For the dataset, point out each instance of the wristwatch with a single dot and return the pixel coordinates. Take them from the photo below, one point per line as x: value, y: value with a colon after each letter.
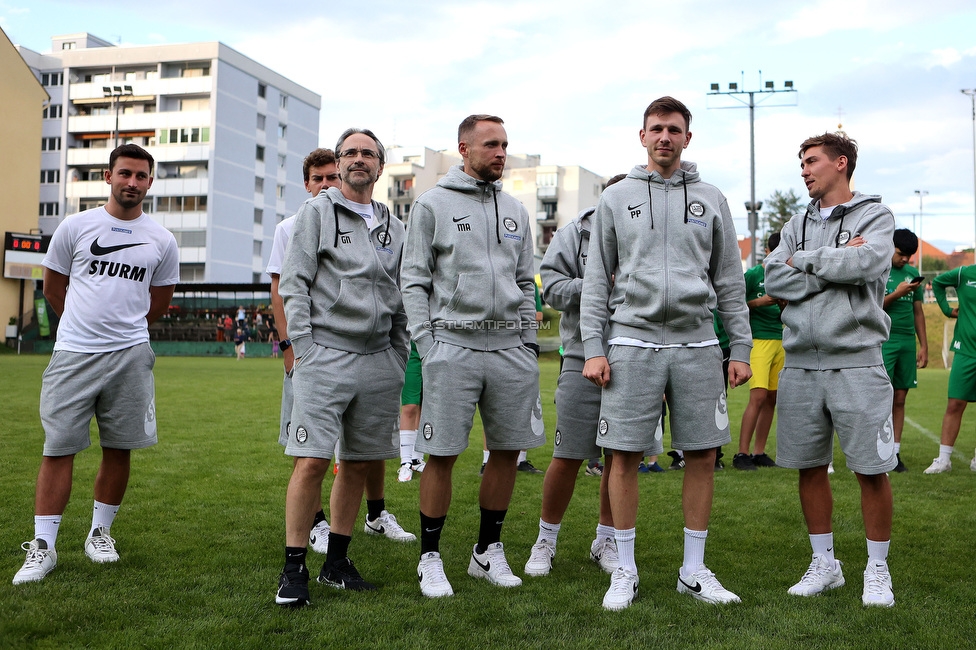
x: 284, y: 345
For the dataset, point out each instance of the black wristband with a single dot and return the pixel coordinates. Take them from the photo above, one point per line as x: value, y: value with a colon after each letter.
x: 284, y: 345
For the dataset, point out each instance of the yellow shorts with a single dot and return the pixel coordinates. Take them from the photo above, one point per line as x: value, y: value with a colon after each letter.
x: 766, y: 360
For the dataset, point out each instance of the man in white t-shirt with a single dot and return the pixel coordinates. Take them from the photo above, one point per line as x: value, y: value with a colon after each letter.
x: 122, y: 267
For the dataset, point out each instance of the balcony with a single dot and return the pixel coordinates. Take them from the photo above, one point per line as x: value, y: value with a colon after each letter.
x: 547, y: 192
x: 146, y: 87
x: 543, y: 218
x: 400, y: 194
x: 137, y: 121
x: 162, y: 153
x: 87, y: 189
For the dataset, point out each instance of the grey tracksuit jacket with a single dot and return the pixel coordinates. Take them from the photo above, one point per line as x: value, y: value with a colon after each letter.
x: 562, y: 283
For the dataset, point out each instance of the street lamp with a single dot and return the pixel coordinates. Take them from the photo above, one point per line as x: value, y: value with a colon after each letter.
x: 920, y: 194
x: 116, y: 93
x: 768, y: 88
x: 972, y: 97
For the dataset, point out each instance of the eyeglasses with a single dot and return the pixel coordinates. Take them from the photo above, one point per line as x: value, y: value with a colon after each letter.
x: 368, y: 154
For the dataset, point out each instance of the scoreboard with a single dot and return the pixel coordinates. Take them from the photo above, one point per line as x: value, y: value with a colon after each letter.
x: 23, y: 254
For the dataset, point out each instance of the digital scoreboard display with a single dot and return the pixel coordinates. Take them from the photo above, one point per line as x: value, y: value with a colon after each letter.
x: 23, y: 254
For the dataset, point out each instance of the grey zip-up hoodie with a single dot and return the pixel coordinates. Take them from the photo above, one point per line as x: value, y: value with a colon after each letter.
x: 671, y: 246
x: 835, y: 316
x: 340, y: 281
x: 468, y: 267
x: 562, y: 283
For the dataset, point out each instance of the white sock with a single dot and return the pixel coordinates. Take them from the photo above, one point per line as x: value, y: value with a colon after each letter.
x: 548, y: 531
x: 523, y: 456
x: 878, y: 551
x: 945, y: 453
x: 103, y: 515
x: 897, y: 447
x: 625, y: 547
x: 484, y: 456
x: 603, y: 532
x: 694, y: 550
x: 823, y: 544
x: 46, y: 528
x: 408, y: 437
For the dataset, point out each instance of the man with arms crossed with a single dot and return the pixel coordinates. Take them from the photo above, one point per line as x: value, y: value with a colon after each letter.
x: 831, y: 265
x: 905, y: 293
x: 468, y: 288
x: 663, y: 253
x: 110, y: 272
x: 340, y: 286
x: 320, y: 172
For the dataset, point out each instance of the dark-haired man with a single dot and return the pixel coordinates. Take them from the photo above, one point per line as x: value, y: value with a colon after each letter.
x: 122, y: 268
x: 469, y: 292
x: 832, y: 265
x: 904, y: 295
x: 663, y: 253
x: 339, y: 283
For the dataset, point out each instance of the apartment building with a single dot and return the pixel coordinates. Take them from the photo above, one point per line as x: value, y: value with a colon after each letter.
x: 228, y: 135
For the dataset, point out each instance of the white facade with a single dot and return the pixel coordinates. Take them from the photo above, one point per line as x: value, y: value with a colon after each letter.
x: 228, y: 136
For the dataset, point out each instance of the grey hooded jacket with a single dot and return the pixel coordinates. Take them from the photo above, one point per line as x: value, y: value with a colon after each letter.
x: 562, y: 283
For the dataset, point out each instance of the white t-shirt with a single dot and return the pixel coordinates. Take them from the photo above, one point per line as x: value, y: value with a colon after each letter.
x: 282, y: 236
x: 110, y: 264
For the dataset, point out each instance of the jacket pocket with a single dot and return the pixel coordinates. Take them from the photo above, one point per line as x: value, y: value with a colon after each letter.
x: 352, y: 311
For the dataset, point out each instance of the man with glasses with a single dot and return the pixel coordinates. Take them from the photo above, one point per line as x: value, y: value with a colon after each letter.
x: 469, y: 292
x: 340, y: 286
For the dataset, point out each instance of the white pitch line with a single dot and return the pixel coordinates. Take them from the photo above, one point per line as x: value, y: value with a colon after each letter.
x: 933, y: 437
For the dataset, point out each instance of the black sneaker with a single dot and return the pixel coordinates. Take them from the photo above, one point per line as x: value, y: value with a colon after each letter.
x: 343, y: 575
x: 293, y: 586
x: 718, y: 460
x: 744, y: 462
x: 481, y: 472
x: 526, y: 466
x: 677, y: 462
x: 900, y: 467
x: 763, y: 460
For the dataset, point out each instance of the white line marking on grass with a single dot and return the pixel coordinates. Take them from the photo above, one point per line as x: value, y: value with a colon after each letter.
x: 934, y: 438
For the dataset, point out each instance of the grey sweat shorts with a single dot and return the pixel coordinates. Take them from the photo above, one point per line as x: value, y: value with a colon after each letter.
x: 503, y: 384
x: 115, y: 387
x: 287, y: 402
x: 691, y: 378
x: 346, y: 397
x: 577, y: 415
x: 856, y: 402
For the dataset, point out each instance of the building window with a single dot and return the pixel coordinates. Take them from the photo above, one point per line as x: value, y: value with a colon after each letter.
x: 258, y: 216
x: 550, y: 210
x: 280, y: 218
x: 181, y: 203
x: 68, y: 45
x: 51, y: 112
x: 52, y: 78
x: 48, y: 210
x: 50, y: 144
x: 257, y: 248
x: 262, y: 90
x: 183, y: 136
x: 280, y: 191
x: 256, y: 278
x: 282, y: 131
x: 282, y: 160
x: 190, y: 238
x: 261, y: 120
x: 259, y: 153
x: 192, y: 272
x: 550, y: 179
x: 258, y: 184
x: 50, y: 176
x: 283, y: 101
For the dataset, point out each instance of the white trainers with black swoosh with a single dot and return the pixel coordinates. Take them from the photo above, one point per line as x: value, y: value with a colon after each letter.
x: 430, y: 573
x: 622, y: 591
x: 492, y: 566
x: 318, y: 538
x: 386, y: 525
x: 704, y: 586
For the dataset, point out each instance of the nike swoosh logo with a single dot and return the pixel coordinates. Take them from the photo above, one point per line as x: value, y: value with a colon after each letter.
x: 486, y: 566
x: 105, y: 250
x: 634, y: 207
x: 431, y: 530
x: 313, y: 539
x: 456, y: 219
x: 348, y: 232
x: 696, y: 588
x: 379, y: 530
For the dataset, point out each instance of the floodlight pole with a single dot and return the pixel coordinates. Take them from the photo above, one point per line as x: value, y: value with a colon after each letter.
x: 116, y: 93
x: 920, y: 194
x: 752, y: 206
x: 972, y: 97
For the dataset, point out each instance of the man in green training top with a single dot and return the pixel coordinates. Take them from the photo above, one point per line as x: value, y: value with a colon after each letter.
x: 903, y: 302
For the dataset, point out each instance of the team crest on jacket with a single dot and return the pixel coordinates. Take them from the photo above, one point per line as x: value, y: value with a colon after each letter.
x: 384, y: 238
x: 301, y: 435
x: 604, y: 427
x: 696, y: 208
x: 428, y: 430
x: 510, y: 224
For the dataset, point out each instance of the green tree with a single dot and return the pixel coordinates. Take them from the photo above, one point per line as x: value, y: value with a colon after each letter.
x: 780, y: 207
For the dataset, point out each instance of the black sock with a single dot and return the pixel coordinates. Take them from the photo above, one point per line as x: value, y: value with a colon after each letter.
x: 374, y: 508
x: 430, y: 533
x: 491, y: 528
x: 338, y: 548
x: 295, y: 555
x: 319, y: 518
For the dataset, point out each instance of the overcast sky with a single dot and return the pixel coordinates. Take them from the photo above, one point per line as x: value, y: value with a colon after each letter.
x: 572, y: 78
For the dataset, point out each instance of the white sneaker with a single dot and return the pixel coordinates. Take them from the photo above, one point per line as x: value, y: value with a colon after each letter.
x: 939, y: 466
x: 622, y: 591
x: 540, y: 559
x: 386, y: 525
x: 703, y: 585
x: 318, y: 538
x: 40, y: 562
x: 830, y: 467
x: 405, y: 473
x: 821, y: 575
x: 972, y: 464
x: 418, y: 465
x: 100, y: 547
x: 603, y: 551
x: 877, y: 586
x: 492, y: 566
x: 430, y: 572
